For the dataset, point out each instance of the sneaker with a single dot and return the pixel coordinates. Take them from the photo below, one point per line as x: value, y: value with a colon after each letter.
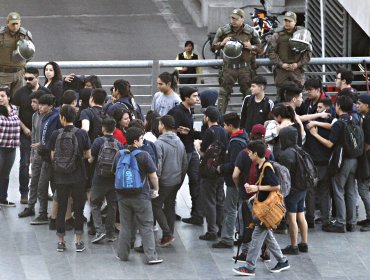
x: 334, y: 227
x: 177, y: 217
x: 155, y: 261
x: 92, y: 230
x: 244, y: 271
x: 265, y: 256
x: 139, y: 249
x: 80, y: 246
x: 221, y: 245
x: 303, y: 247
x: 350, y: 227
x: 155, y: 228
x: 365, y: 228
x: 240, y: 258
x: 208, y: 236
x: 111, y: 238
x: 24, y: 200
x: 98, y: 237
x: 193, y: 221
x: 6, y: 203
x: 61, y: 247
x: 41, y: 219
x: 280, y: 267
x: 27, y: 212
x: 70, y: 224
x: 318, y: 221
x: 363, y: 222
x: 290, y: 250
x: 53, y: 224
x: 311, y: 224
x: 166, y: 241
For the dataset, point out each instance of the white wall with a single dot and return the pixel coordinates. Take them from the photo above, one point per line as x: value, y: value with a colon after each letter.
x: 359, y: 11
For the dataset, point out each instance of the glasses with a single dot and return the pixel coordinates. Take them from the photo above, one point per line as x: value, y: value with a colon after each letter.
x: 337, y: 78
x: 30, y: 79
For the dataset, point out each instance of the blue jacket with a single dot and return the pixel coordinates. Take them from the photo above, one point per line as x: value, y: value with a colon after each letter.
x: 49, y: 123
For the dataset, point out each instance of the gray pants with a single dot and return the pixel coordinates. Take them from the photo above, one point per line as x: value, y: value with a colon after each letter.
x: 43, y: 188
x: 344, y: 192
x: 363, y: 190
x: 212, y: 198
x: 258, y: 237
x: 230, y: 213
x: 139, y: 210
x: 96, y: 204
x: 36, y: 171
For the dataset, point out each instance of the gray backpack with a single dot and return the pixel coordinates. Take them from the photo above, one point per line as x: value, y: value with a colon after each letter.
x: 106, y: 156
x: 66, y: 151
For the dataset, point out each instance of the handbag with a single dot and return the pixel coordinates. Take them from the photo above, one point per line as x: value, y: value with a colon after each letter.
x: 272, y: 210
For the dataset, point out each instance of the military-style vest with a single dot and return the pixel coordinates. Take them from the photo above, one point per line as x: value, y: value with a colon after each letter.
x: 8, y: 44
x: 283, y: 49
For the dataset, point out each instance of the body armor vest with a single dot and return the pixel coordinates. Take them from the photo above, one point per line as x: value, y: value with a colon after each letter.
x: 284, y: 51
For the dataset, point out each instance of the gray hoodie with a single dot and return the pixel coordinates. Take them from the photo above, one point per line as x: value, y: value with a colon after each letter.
x: 172, y: 159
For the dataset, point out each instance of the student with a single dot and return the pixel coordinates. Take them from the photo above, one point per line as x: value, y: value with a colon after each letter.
x: 172, y: 165
x: 136, y: 209
x: 73, y: 181
x: 270, y: 182
x: 103, y: 184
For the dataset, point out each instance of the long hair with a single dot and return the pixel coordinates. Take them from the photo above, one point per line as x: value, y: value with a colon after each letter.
x: 57, y: 72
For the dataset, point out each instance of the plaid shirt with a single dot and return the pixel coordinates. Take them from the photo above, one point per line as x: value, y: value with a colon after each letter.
x: 10, y: 129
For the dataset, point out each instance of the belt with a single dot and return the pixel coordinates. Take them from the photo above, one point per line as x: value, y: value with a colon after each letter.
x: 10, y: 69
x: 237, y: 65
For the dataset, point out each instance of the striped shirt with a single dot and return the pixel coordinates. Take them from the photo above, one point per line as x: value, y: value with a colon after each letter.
x: 10, y: 129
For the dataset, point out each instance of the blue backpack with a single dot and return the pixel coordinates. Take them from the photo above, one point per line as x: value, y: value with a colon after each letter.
x: 128, y: 179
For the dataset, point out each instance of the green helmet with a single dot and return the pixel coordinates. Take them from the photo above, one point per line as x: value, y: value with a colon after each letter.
x: 24, y: 51
x: 233, y: 49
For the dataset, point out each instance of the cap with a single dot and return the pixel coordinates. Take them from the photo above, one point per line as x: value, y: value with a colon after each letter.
x: 13, y: 17
x: 237, y: 13
x: 364, y: 98
x: 290, y: 16
x: 258, y: 129
x: 212, y: 113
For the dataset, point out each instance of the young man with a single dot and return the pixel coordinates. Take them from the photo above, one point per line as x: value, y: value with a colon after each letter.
x: 270, y: 182
x: 313, y: 87
x: 172, y: 165
x: 256, y: 107
x: 184, y: 124
x: 364, y: 183
x: 343, y: 182
x: 35, y: 157
x: 136, y: 209
x: 72, y: 182
x: 103, y: 184
x: 344, y: 79
x: 212, y: 189
x: 295, y: 201
x: 237, y: 141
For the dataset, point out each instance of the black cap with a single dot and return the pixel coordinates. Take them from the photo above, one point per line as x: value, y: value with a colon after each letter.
x: 212, y: 113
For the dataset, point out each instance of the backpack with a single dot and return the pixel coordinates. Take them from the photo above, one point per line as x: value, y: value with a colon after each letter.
x: 353, y: 139
x: 106, y: 156
x: 284, y: 176
x: 306, y: 175
x: 213, y: 157
x: 132, y: 109
x: 66, y: 151
x: 127, y: 178
x: 96, y: 125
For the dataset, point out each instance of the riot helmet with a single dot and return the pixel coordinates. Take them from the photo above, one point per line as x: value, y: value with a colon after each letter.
x: 233, y: 49
x: 301, y: 41
x: 24, y: 51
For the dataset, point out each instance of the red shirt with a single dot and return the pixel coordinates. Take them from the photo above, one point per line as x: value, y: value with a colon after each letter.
x: 119, y: 136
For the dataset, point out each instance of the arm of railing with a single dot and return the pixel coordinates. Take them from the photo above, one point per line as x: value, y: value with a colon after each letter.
x: 98, y: 64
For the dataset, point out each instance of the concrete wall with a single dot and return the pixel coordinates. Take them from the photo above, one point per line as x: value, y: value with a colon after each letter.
x: 359, y: 11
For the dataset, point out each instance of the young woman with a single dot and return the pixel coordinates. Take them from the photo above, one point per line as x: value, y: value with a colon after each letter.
x: 53, y: 80
x: 122, y: 118
x: 9, y: 141
x: 166, y: 98
x: 151, y: 126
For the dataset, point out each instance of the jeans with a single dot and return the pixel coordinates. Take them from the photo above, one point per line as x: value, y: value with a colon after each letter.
x: 140, y: 211
x: 96, y: 204
x: 165, y: 216
x: 212, y: 197
x: 258, y: 237
x: 78, y: 193
x: 230, y: 213
x: 24, y: 164
x: 7, y: 157
x: 344, y: 191
x: 43, y: 188
x: 194, y: 184
x: 36, y: 171
x: 363, y: 190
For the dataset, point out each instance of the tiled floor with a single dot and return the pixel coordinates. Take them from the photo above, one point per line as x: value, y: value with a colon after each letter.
x: 29, y: 252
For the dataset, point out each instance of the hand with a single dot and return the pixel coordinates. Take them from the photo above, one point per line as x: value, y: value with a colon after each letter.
x: 293, y: 66
x: 247, y: 45
x: 325, y: 115
x: 218, y: 169
x: 224, y: 41
x: 69, y: 78
x: 285, y: 66
x: 155, y: 194
x: 27, y: 131
x: 183, y: 130
x: 34, y: 146
x: 250, y: 188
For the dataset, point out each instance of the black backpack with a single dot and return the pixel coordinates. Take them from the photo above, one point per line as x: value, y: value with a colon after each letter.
x: 96, y: 125
x: 106, y: 156
x: 132, y: 109
x: 66, y: 151
x: 306, y: 176
x: 213, y: 157
x: 353, y: 139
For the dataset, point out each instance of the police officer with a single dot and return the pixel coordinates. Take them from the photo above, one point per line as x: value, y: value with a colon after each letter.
x: 288, y: 63
x: 14, y: 52
x: 240, y: 43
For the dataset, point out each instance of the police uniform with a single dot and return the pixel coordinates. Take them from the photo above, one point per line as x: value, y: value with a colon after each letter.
x: 240, y: 69
x: 12, y: 69
x: 280, y: 52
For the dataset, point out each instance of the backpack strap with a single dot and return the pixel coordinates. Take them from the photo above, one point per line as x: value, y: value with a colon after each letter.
x: 259, y: 181
x: 136, y: 152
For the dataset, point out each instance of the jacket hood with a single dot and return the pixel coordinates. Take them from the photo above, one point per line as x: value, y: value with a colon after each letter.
x: 170, y: 138
x: 240, y: 134
x: 288, y: 137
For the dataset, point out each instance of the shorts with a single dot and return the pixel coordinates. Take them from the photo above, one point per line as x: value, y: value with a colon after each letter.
x: 294, y: 202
